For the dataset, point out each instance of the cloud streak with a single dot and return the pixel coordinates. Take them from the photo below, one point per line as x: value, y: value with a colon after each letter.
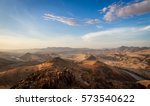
x: 115, y: 11
x: 62, y: 19
x: 117, y: 32
x: 71, y: 21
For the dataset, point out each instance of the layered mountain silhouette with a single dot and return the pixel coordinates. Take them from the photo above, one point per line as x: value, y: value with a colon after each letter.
x: 130, y: 49
x: 5, y: 62
x: 68, y: 74
x: 64, y: 67
x: 35, y: 57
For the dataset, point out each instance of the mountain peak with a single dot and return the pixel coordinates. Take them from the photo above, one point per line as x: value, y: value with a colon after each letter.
x: 90, y: 57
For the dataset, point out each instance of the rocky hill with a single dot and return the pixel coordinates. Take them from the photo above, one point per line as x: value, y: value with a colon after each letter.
x: 35, y: 57
x: 68, y: 74
x: 124, y: 67
x: 130, y: 49
x: 5, y: 62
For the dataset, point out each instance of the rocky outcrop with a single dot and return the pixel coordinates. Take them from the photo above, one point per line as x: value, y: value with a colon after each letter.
x: 65, y: 74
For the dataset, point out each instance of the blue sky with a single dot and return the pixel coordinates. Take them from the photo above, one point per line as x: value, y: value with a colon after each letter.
x: 74, y: 23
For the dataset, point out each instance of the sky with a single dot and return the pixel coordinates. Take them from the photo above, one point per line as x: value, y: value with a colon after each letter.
x: 74, y: 23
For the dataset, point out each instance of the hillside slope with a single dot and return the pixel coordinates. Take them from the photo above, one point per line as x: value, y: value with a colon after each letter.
x: 68, y: 74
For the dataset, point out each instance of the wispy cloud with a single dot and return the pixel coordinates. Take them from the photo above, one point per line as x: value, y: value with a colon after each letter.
x: 116, y: 33
x: 146, y: 28
x: 62, y: 19
x: 71, y: 21
x: 93, y: 21
x: 115, y: 11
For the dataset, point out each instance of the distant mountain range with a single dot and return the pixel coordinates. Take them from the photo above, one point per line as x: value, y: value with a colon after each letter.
x: 130, y: 49
x: 69, y: 49
x: 64, y: 67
